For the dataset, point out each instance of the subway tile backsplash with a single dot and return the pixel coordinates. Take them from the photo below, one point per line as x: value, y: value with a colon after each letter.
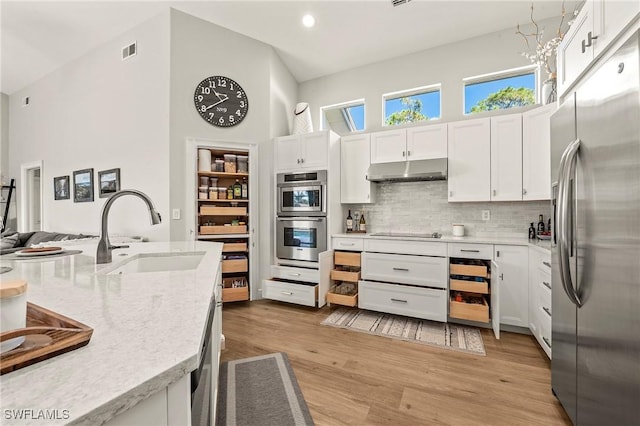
x: 423, y: 207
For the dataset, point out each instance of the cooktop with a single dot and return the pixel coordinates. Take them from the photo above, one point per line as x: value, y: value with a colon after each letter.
x: 407, y: 234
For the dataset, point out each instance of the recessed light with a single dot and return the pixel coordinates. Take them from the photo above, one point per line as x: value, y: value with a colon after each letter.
x: 308, y: 21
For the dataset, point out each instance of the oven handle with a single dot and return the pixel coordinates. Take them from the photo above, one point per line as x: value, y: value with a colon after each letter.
x: 300, y: 219
x: 302, y: 185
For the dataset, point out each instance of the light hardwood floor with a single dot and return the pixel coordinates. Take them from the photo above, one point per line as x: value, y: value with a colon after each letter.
x: 351, y: 378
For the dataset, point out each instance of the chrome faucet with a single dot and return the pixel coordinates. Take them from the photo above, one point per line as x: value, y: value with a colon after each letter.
x: 104, y: 246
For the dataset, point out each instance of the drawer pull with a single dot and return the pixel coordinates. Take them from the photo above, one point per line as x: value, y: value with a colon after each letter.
x: 546, y: 342
x: 348, y: 245
x: 546, y: 284
x: 399, y: 300
x: 294, y: 275
x: 401, y: 269
x: 546, y: 310
x: 547, y: 264
x: 470, y: 251
x: 288, y: 293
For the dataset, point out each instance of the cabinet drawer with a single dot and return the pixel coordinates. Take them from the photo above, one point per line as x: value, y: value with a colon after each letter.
x: 470, y: 286
x: 341, y: 299
x: 544, y: 333
x: 346, y: 259
x: 470, y: 270
x: 471, y: 251
x: 301, y: 294
x: 235, y: 265
x: 423, y: 248
x: 338, y: 275
x: 295, y: 274
x: 544, y: 293
x: 545, y: 263
x: 469, y: 311
x: 349, y: 244
x: 396, y: 268
x: 235, y: 294
x: 230, y: 247
x: 397, y: 299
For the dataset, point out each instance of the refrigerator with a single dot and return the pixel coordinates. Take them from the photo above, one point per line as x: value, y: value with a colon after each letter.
x: 595, y: 175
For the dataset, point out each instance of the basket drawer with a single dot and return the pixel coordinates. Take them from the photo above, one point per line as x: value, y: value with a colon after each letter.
x: 300, y: 294
x: 217, y: 229
x: 346, y: 259
x: 345, y: 275
x: 469, y: 311
x: 223, y: 211
x: 235, y: 294
x: 235, y: 265
x: 470, y: 270
x: 230, y: 247
x: 342, y: 299
x: 470, y: 286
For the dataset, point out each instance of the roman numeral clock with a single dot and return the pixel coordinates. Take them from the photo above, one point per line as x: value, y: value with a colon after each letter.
x: 221, y: 101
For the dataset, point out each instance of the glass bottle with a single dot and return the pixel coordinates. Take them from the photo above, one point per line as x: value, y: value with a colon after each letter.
x: 349, y: 222
x: 532, y: 232
x: 245, y: 188
x: 230, y: 192
x: 540, y: 224
x: 237, y: 189
x: 363, y: 224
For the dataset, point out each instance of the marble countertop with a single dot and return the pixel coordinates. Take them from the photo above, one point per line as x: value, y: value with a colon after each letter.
x: 148, y: 328
x: 514, y: 241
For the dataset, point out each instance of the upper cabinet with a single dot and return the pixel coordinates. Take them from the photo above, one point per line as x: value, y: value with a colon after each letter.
x: 506, y: 158
x: 469, y: 153
x: 413, y: 143
x: 308, y: 151
x: 536, y: 153
x: 596, y: 26
x: 354, y: 165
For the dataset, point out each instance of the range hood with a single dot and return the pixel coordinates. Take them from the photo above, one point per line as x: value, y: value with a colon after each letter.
x: 409, y: 171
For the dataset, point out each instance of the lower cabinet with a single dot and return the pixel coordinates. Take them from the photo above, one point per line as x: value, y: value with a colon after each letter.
x: 540, y: 298
x: 514, y: 284
x: 418, y: 302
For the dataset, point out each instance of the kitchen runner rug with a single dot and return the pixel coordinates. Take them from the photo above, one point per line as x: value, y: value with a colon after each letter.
x: 260, y: 391
x: 443, y: 335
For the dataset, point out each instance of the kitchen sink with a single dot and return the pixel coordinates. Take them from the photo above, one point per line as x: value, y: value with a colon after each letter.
x: 157, y: 262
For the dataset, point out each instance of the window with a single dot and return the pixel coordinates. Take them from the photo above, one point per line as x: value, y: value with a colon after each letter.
x: 502, y: 90
x: 413, y: 105
x: 343, y: 118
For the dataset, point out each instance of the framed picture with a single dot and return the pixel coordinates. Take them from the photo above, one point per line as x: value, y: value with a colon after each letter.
x: 83, y: 186
x: 61, y: 188
x: 108, y: 182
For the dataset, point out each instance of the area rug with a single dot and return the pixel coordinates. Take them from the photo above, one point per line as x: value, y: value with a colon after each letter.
x: 260, y: 391
x: 439, y: 334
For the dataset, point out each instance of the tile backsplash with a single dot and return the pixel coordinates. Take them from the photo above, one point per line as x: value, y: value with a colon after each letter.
x: 423, y: 207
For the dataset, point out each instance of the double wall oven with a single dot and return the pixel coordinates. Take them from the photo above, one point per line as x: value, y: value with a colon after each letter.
x: 301, y: 223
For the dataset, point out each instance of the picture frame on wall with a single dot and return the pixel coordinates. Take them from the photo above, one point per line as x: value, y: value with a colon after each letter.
x: 83, y: 186
x: 108, y: 182
x: 61, y: 188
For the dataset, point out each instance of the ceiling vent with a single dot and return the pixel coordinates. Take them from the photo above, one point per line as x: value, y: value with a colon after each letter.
x: 399, y: 2
x: 129, y: 51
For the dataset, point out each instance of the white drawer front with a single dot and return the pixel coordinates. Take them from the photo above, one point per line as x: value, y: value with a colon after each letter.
x: 544, y: 332
x: 295, y: 274
x: 471, y: 251
x: 397, y: 299
x: 424, y: 248
x: 398, y: 268
x: 545, y: 263
x: 544, y: 292
x: 349, y: 244
x: 300, y: 294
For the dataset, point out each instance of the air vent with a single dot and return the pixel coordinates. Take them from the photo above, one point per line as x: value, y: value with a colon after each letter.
x: 399, y: 2
x: 129, y: 51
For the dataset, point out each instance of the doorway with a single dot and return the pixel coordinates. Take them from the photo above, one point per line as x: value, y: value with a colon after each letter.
x: 31, y: 197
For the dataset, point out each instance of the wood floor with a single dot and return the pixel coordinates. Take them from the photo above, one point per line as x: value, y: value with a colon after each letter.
x: 351, y: 378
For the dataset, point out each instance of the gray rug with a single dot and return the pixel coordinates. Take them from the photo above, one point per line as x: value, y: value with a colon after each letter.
x: 261, y: 391
x: 443, y: 335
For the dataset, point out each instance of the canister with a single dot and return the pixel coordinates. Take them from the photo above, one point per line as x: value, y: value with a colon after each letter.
x: 219, y: 165
x: 458, y: 230
x: 230, y: 163
x: 203, y: 192
x: 13, y: 310
x: 204, y: 160
x: 243, y: 163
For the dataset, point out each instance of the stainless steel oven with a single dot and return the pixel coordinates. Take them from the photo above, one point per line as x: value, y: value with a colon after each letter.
x: 301, y: 238
x: 302, y: 194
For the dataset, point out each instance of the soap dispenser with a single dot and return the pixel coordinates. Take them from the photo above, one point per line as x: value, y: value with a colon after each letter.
x: 532, y: 232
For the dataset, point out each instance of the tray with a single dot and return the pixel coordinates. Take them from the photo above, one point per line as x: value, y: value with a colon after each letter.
x: 48, y: 334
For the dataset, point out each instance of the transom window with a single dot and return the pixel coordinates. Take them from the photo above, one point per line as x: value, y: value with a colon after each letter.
x: 343, y: 118
x: 411, y: 106
x: 501, y: 90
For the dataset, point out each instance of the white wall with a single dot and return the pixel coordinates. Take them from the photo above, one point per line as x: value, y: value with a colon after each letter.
x: 4, y: 136
x: 446, y: 65
x: 100, y: 112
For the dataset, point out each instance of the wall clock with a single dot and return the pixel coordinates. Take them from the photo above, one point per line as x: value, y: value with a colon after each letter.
x: 221, y: 101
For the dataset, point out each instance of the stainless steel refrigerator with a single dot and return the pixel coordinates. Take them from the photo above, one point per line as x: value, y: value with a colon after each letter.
x: 595, y: 171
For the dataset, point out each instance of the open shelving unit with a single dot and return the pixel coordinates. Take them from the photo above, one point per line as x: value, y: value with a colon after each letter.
x: 346, y: 272
x: 226, y: 220
x: 470, y: 284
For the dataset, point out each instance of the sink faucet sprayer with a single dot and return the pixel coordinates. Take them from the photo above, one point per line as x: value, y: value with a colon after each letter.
x: 104, y: 246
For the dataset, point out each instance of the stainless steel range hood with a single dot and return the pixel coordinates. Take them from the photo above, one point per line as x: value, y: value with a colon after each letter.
x: 409, y: 171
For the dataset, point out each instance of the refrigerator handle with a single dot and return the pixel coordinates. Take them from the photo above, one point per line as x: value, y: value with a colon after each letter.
x: 554, y: 213
x: 565, y: 216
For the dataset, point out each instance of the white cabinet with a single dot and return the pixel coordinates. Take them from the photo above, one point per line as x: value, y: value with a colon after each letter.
x: 514, y: 284
x: 355, y: 158
x: 414, y: 143
x: 506, y: 157
x: 389, y: 146
x: 469, y: 153
x: 540, y: 310
x: 418, y: 302
x: 610, y: 18
x: 309, y: 151
x: 426, y: 271
x: 536, y: 153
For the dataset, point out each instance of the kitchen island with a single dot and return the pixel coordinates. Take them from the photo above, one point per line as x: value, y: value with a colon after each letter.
x: 147, y: 329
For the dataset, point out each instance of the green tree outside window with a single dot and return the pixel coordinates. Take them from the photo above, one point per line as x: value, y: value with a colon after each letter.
x: 508, y: 97
x: 411, y: 113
